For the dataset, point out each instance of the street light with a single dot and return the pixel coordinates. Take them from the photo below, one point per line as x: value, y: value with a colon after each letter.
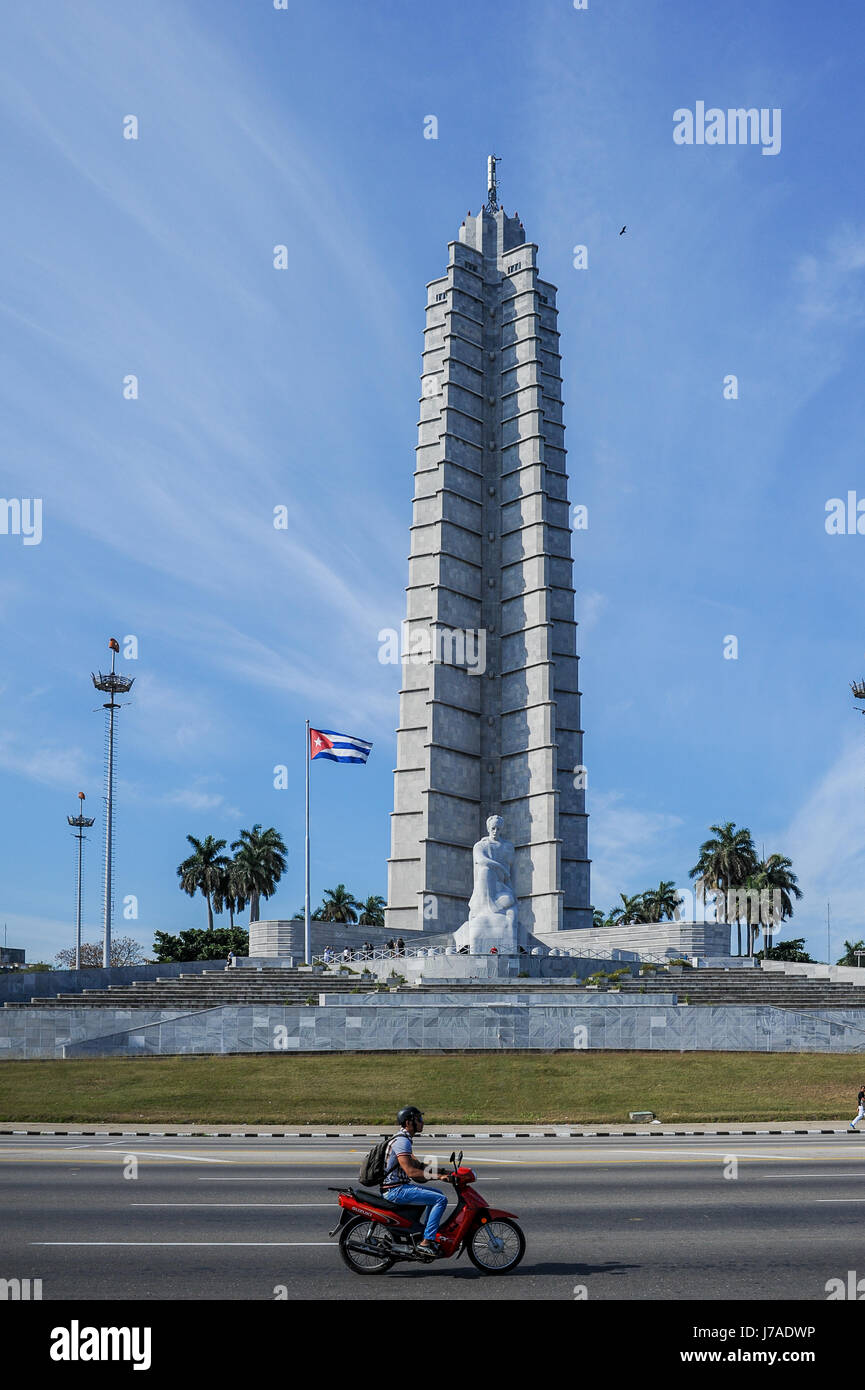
x: 81, y: 821
x: 112, y: 683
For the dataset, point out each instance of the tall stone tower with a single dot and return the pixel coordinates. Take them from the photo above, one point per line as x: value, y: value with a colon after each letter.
x: 490, y: 576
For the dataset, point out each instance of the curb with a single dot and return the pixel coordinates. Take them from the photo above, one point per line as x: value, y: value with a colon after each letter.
x: 642, y: 1132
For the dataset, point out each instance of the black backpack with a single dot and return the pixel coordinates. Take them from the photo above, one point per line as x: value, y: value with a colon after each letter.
x: 372, y: 1169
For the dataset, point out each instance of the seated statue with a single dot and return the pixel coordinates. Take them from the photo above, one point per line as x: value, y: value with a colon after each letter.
x: 493, y: 913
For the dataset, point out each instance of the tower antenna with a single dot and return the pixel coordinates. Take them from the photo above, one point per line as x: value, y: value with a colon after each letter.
x: 113, y: 684
x: 81, y: 821
x: 492, y: 184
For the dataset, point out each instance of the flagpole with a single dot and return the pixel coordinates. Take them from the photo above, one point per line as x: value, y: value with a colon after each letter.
x: 307, y: 950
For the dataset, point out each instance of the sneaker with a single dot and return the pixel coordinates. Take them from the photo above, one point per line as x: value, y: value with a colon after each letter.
x: 851, y: 1128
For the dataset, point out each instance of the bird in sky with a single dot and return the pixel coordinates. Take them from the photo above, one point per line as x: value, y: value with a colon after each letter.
x: 624, y: 229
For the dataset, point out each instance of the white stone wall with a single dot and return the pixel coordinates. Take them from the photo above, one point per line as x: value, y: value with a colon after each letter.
x: 491, y: 550
x: 648, y: 938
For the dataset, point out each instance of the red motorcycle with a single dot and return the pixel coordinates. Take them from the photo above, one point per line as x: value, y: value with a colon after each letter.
x: 375, y: 1233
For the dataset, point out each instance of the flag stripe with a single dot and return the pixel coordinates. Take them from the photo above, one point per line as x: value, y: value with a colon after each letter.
x: 339, y: 748
x: 349, y: 740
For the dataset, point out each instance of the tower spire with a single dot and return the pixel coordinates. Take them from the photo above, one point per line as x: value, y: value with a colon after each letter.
x: 492, y: 187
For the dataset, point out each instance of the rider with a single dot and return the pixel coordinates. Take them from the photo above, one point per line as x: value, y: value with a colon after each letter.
x: 403, y: 1173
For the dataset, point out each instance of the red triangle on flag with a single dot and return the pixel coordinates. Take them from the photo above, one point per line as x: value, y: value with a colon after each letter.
x: 318, y: 743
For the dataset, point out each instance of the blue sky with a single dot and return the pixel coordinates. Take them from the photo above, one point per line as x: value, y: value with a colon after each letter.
x: 260, y: 388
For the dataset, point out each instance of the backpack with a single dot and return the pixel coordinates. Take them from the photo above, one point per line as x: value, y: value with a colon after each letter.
x: 372, y: 1169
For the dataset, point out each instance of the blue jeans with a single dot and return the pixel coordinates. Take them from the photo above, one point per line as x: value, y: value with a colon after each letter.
x: 431, y: 1197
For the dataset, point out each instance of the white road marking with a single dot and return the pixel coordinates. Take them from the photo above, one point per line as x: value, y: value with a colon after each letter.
x: 233, y: 1205
x: 184, y: 1158
x: 792, y: 1177
x: 163, y: 1244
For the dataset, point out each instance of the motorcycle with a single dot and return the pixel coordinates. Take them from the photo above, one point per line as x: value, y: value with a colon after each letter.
x: 374, y: 1234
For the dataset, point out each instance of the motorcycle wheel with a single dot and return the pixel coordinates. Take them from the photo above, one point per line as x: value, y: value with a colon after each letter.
x: 362, y: 1231
x: 496, y: 1246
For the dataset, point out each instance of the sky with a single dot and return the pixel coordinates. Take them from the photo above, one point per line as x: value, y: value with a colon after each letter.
x: 261, y: 388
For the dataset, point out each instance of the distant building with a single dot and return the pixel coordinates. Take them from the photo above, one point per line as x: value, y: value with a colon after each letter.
x: 10, y: 955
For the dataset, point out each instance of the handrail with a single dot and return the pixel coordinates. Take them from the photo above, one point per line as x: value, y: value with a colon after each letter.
x: 347, y: 957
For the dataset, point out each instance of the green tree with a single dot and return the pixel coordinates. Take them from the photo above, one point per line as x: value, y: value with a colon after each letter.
x: 631, y: 911
x: 203, y: 869
x: 793, y: 950
x: 850, y: 949
x: 227, y: 893
x: 201, y: 945
x: 339, y: 905
x: 260, y: 860
x: 661, y: 902
x: 773, y: 875
x: 598, y: 918
x: 725, y: 863
x: 372, y: 912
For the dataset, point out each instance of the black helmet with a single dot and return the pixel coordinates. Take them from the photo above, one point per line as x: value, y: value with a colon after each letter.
x: 408, y: 1112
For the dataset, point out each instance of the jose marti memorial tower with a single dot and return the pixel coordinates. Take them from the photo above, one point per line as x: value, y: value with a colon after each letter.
x: 490, y: 575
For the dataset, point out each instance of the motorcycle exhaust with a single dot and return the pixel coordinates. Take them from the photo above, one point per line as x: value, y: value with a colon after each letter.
x: 366, y: 1249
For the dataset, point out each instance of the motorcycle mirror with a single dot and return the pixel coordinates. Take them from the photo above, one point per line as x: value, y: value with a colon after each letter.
x: 453, y: 1156
x: 460, y: 1159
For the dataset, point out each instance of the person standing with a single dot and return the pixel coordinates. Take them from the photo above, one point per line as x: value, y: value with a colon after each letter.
x: 860, y: 1099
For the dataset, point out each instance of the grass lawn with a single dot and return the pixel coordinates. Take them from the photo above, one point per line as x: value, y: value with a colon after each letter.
x: 464, y: 1088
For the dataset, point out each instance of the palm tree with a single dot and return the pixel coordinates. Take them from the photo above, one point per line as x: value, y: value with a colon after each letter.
x: 260, y: 863
x: 598, y: 918
x: 661, y: 902
x: 773, y: 875
x: 339, y: 905
x: 630, y: 911
x: 203, y: 870
x: 227, y: 893
x: 726, y: 862
x: 372, y: 912
x: 850, y: 949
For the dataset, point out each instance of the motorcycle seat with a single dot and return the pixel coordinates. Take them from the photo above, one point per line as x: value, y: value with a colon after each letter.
x: 413, y: 1211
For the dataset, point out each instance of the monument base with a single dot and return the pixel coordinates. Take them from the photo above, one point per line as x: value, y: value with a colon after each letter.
x: 489, y: 933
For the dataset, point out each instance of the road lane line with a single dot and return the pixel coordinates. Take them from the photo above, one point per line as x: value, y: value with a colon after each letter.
x: 164, y: 1244
x: 235, y: 1206
x: 791, y: 1177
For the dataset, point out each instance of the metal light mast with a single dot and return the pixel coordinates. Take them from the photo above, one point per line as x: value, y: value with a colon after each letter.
x: 113, y: 684
x: 80, y: 821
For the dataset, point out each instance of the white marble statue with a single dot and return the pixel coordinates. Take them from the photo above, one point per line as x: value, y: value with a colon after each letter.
x: 493, y: 912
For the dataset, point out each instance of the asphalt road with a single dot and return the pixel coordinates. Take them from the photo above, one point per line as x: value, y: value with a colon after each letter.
x: 605, y: 1218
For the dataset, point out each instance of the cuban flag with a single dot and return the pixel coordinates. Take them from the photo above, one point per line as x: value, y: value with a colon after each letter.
x: 337, y: 748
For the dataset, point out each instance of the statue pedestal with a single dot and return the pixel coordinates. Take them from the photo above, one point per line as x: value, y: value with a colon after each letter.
x: 487, y: 930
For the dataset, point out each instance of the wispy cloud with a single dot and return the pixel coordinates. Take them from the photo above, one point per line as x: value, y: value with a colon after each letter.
x: 44, y: 762
x: 826, y: 841
x: 832, y: 282
x: 197, y: 798
x: 627, y: 844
